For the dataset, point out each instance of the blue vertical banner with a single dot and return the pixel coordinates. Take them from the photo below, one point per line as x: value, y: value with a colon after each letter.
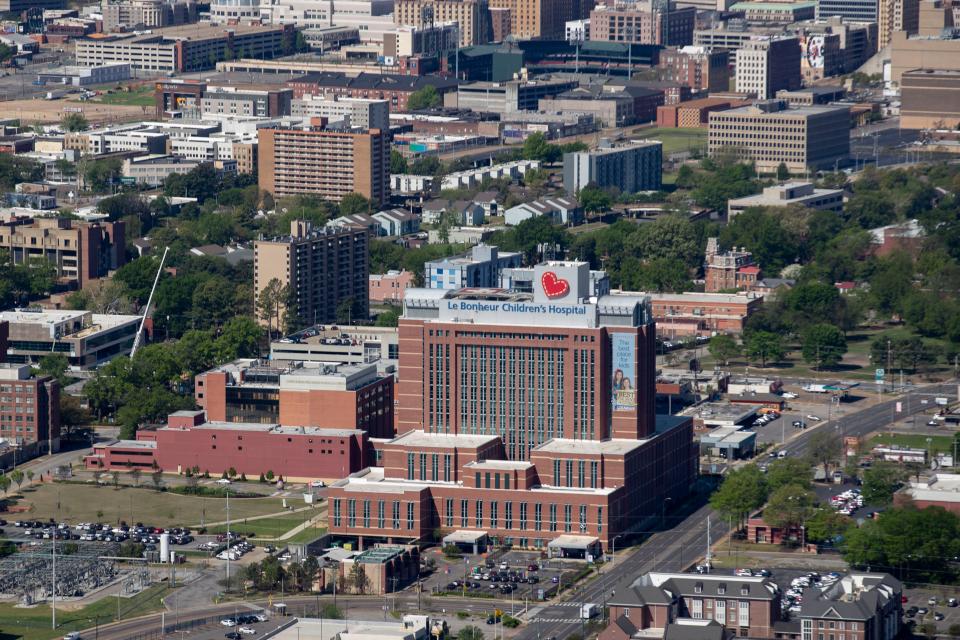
x: 623, y: 370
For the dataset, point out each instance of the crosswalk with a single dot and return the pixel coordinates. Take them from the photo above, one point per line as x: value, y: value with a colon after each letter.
x: 564, y: 620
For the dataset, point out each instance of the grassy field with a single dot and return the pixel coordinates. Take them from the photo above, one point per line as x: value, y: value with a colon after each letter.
x: 34, y: 623
x: 916, y: 441
x: 80, y: 503
x: 273, y: 528
x: 675, y: 140
x: 139, y: 97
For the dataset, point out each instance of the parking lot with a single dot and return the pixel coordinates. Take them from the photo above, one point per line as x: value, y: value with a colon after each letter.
x: 927, y: 612
x: 513, y: 574
x: 246, y: 626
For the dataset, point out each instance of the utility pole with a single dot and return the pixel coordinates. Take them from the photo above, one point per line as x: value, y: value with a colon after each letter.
x: 227, y: 490
x: 53, y: 605
x: 709, y: 556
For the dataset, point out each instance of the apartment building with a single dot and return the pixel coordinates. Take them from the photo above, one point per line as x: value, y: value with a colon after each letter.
x: 330, y: 162
x: 29, y: 410
x: 131, y: 137
x: 766, y: 65
x: 147, y: 14
x: 186, y: 48
x: 80, y: 251
x: 473, y: 16
x: 631, y: 167
x: 218, y: 148
x: 771, y: 132
x: 323, y: 267
x: 642, y: 22
x: 699, y: 68
x: 357, y: 112
x: 389, y: 287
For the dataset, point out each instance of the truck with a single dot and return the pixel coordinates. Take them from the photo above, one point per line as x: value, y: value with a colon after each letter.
x: 56, y: 95
x: 816, y: 388
x: 589, y: 610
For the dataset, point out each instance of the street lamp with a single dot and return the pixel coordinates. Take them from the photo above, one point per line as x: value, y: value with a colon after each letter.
x: 613, y: 549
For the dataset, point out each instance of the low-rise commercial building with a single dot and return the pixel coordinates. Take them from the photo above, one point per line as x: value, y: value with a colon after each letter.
x: 770, y: 133
x: 809, y: 96
x: 776, y: 12
x: 152, y: 170
x: 801, y: 194
x: 480, y: 268
x: 29, y: 410
x: 80, y: 251
x: 930, y: 99
x: 393, y: 88
x: 191, y: 442
x: 702, y: 314
x: 631, y: 167
x: 248, y: 102
x: 390, y: 286
x: 293, y: 393
x: 84, y: 76
x: 693, y: 113
x: 938, y: 490
x: 186, y: 48
x: 510, y: 96
x: 340, y: 344
x: 87, y: 339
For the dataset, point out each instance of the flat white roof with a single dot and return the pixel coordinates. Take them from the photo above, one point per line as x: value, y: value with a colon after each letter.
x: 464, y: 537
x: 609, y: 447
x: 570, y: 541
x: 442, y: 440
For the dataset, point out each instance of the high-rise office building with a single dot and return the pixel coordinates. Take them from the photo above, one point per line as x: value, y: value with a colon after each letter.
x: 323, y: 267
x: 765, y: 65
x: 896, y: 15
x: 700, y: 68
x: 326, y: 161
x: 770, y: 132
x: 472, y: 16
x: 856, y: 10
x: 643, y: 22
x: 546, y: 19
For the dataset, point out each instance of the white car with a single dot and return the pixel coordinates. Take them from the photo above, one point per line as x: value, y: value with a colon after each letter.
x: 223, y: 481
x: 260, y: 617
x: 246, y: 630
x: 229, y: 622
x: 789, y: 395
x: 318, y: 484
x: 814, y: 418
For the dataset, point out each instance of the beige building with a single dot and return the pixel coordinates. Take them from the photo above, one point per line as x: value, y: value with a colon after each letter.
x: 765, y: 65
x: 360, y: 112
x: 928, y: 49
x: 147, y: 13
x: 800, y: 194
x: 545, y: 19
x: 930, y: 99
x: 323, y: 268
x: 896, y: 15
x: 328, y: 162
x: 771, y: 132
x: 639, y: 22
x: 473, y: 16
x: 81, y: 251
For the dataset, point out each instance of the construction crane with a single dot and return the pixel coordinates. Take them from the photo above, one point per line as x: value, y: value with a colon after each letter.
x: 146, y: 310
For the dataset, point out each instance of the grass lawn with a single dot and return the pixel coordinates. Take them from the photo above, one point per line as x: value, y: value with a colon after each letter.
x: 81, y: 503
x: 34, y: 623
x: 675, y: 140
x: 273, y: 528
x: 915, y: 441
x: 139, y: 97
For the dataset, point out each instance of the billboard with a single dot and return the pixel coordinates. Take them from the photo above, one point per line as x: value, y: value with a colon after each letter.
x: 623, y: 372
x: 813, y: 51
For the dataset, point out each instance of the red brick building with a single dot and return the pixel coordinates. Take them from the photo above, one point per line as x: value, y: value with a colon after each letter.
x: 702, y: 314
x: 393, y: 87
x: 189, y: 441
x: 729, y: 270
x: 346, y: 396
x: 699, y: 68
x: 390, y: 286
x: 693, y: 113
x: 522, y: 417
x: 29, y: 408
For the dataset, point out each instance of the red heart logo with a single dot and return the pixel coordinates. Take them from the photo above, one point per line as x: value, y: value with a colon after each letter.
x: 553, y: 286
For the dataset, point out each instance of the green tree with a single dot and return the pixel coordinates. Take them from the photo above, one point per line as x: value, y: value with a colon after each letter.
x: 426, y: 166
x: 55, y: 365
x: 825, y: 525
x: 764, y: 346
x: 17, y: 476
x: 135, y: 475
x: 723, y: 347
x: 789, y: 471
x: 4, y: 484
x: 824, y: 449
x: 359, y: 581
x: 783, y: 173
x: 353, y: 203
x: 536, y: 147
x: 823, y: 345
x: 73, y: 122
x: 425, y: 98
x: 398, y: 164
x: 239, y: 338
x: 346, y: 311
x: 789, y: 506
x: 763, y: 234
x: 743, y: 491
x: 388, y: 318
x: 100, y: 175
x: 470, y: 632
x: 880, y: 482
x: 594, y: 199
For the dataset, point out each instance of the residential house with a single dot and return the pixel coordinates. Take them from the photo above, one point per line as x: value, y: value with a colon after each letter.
x: 563, y: 210
x: 397, y: 222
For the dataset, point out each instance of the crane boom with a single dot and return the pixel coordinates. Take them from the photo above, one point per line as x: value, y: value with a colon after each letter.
x: 146, y: 310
